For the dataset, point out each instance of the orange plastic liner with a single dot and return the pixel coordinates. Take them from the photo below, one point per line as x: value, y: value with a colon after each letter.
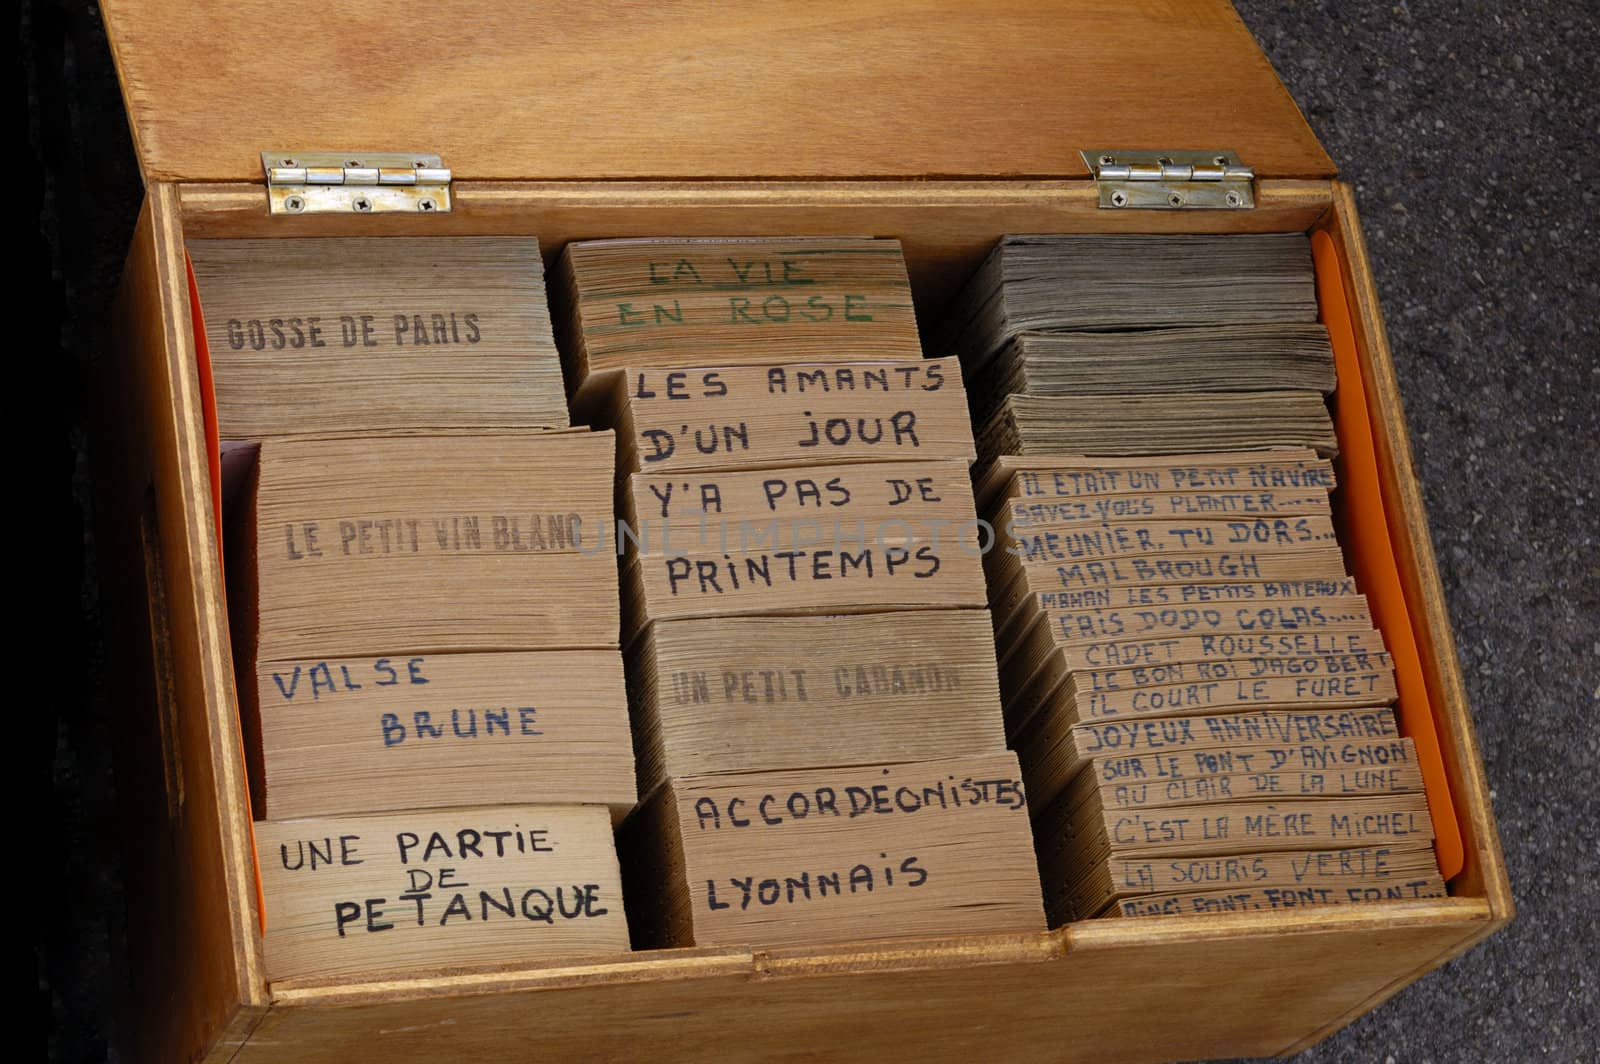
x: 1364, y: 533
x: 208, y: 412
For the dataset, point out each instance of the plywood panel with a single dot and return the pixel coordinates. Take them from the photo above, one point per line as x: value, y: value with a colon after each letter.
x: 575, y: 90
x: 190, y: 881
x: 1485, y: 872
x: 1128, y: 994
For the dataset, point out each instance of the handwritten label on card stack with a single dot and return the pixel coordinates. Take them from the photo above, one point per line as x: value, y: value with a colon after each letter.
x: 1277, y: 899
x: 791, y: 413
x: 720, y: 302
x: 920, y: 850
x: 1330, y: 876
x: 760, y: 693
x: 417, y: 890
x: 1242, y: 827
x: 364, y: 734
x: 1052, y: 478
x: 814, y: 538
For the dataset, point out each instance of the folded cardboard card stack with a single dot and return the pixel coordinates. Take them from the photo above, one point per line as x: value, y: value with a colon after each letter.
x: 1194, y: 683
x: 1114, y: 283
x: 378, y: 335
x: 423, y: 603
x: 803, y: 598
x: 1190, y: 676
x: 1270, y: 356
x: 833, y: 690
x: 668, y: 303
x: 1157, y: 424
x: 791, y: 857
x: 1133, y: 345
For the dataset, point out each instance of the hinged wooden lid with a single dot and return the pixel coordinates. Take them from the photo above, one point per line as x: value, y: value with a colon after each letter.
x: 568, y: 89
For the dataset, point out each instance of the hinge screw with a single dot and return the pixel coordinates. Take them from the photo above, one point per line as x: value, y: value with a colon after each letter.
x: 362, y: 204
x: 294, y: 204
x: 427, y: 203
x: 1119, y: 199
x: 1106, y: 160
x: 1175, y: 200
x: 1234, y: 199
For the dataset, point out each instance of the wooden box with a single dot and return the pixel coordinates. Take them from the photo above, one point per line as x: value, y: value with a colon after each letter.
x: 944, y: 123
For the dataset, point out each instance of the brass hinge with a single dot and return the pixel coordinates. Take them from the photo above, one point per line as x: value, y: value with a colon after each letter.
x: 1172, y: 180
x: 320, y: 182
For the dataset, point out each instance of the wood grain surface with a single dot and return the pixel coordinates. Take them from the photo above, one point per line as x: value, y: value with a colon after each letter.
x: 571, y: 90
x: 1250, y: 983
